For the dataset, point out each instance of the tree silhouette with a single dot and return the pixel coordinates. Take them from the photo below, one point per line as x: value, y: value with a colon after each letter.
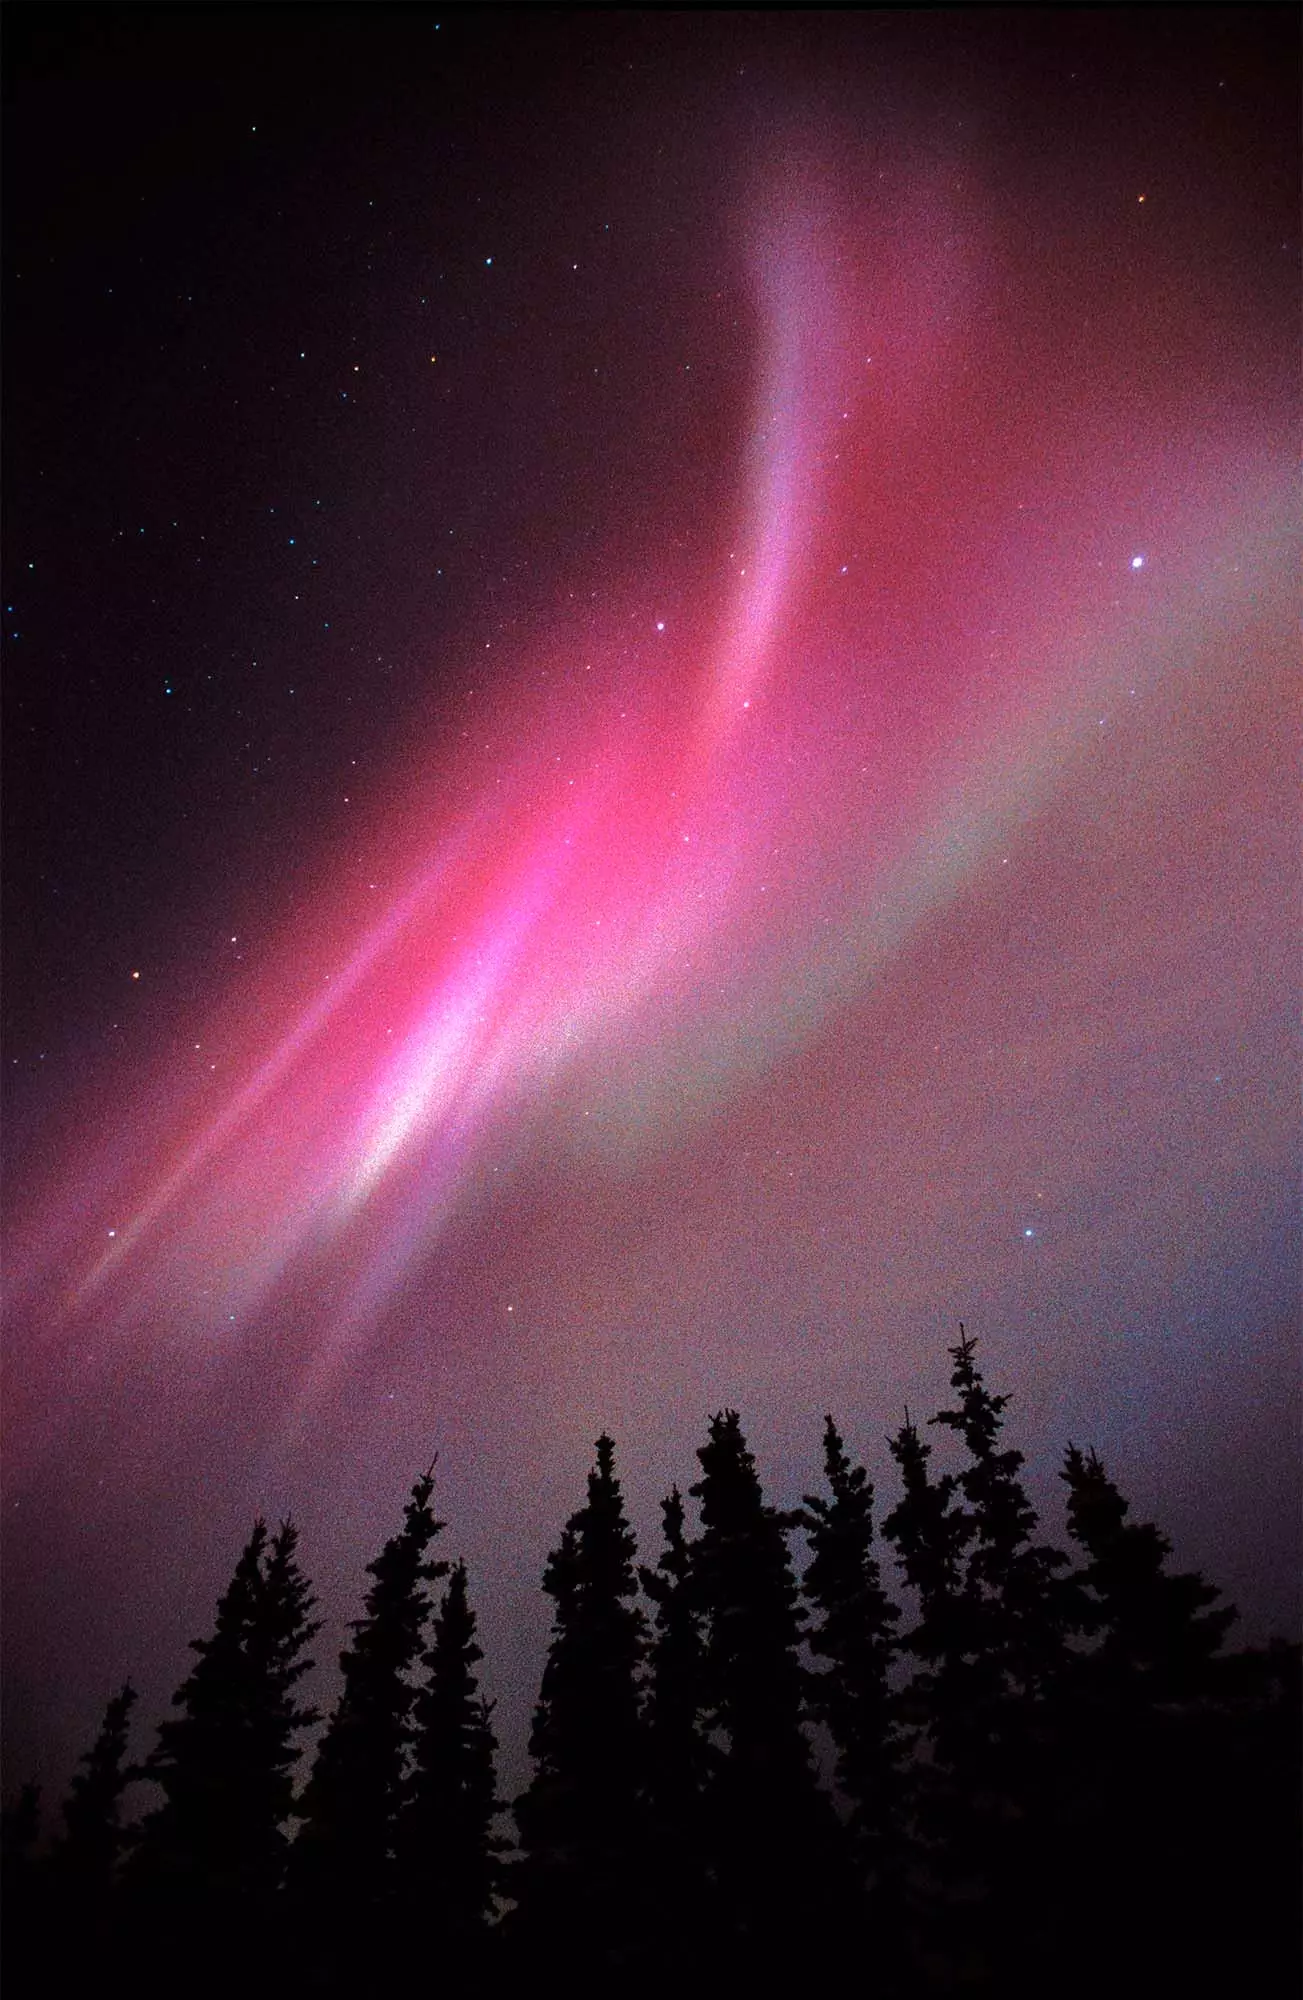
x: 1156, y: 1759
x: 224, y: 1763
x: 1017, y: 1612
x: 445, y: 1844
x: 93, y: 1838
x: 213, y: 1853
x: 1076, y: 1784
x: 342, y: 1863
x: 1000, y: 1731
x: 771, y: 1834
x: 580, y: 1818
x: 678, y: 1757
x: 84, y: 1862
x: 1156, y: 1633
x: 854, y: 1635
x: 930, y: 1534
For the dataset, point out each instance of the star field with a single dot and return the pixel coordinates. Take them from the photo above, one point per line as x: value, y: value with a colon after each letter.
x: 648, y: 759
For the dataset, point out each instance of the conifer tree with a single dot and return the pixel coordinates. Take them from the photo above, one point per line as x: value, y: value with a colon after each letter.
x: 678, y: 1757
x: 993, y: 1617
x: 676, y: 1749
x: 342, y: 1863
x: 210, y: 1859
x: 930, y: 1534
x: 84, y: 1864
x: 1156, y: 1633
x: 1156, y: 1768
x: 446, y: 1847
x: 854, y: 1634
x: 943, y: 1703
x: 992, y: 1636
x: 93, y: 1839
x: 224, y: 1763
x: 772, y: 1835
x: 1017, y: 1610
x: 580, y: 1819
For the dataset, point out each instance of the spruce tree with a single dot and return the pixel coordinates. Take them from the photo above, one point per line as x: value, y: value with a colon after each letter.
x: 445, y: 1845
x: 580, y: 1818
x: 772, y: 1836
x: 342, y: 1870
x: 1138, y: 1698
x: 1002, y: 1622
x: 93, y: 1839
x: 84, y: 1865
x: 946, y: 1705
x: 1156, y: 1634
x: 1170, y: 1800
x: 194, y: 1840
x: 1017, y: 1607
x: 930, y: 1533
x: 224, y: 1762
x: 678, y: 1757
x: 854, y: 1636
x: 676, y: 1749
x: 213, y: 1854
x: 993, y: 1616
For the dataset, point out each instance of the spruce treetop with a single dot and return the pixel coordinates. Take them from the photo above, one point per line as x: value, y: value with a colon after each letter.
x: 92, y: 1811
x: 928, y: 1530
x: 224, y: 1760
x: 677, y: 1749
x: 580, y: 1817
x: 747, y: 1592
x: 446, y: 1848
x: 1154, y: 1627
x: 854, y: 1634
x: 355, y: 1791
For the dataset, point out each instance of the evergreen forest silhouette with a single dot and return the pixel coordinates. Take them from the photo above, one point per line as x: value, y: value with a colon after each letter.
x: 1040, y: 1772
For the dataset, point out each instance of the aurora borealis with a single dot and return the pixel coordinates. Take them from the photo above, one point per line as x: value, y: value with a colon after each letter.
x: 649, y: 669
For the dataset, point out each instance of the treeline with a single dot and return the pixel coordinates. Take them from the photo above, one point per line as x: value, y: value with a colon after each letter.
x: 1041, y: 1772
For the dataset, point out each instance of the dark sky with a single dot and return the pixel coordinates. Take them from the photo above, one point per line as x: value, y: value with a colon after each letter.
x: 648, y: 756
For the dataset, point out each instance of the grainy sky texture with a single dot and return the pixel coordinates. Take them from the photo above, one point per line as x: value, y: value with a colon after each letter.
x: 651, y: 754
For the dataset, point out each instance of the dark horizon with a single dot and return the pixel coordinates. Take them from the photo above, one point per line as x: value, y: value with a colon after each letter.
x: 941, y: 1748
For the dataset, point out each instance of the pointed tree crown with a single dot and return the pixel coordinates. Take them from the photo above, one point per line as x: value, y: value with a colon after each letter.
x: 354, y: 1794
x: 446, y: 1847
x: 589, y: 1694
x: 854, y: 1634
x: 1153, y: 1626
x: 747, y: 1593
x: 580, y: 1818
x: 224, y: 1762
x: 92, y: 1812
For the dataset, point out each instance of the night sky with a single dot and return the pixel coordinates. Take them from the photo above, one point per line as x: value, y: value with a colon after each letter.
x: 650, y: 755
